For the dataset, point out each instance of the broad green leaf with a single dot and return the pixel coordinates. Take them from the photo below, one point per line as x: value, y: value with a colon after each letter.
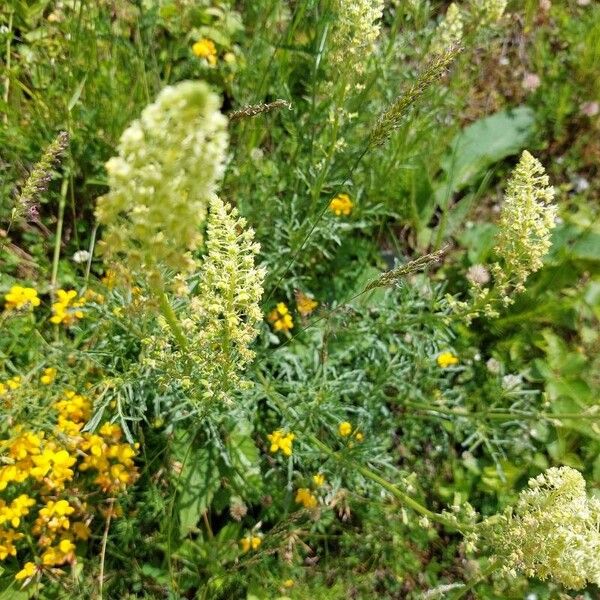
x: 198, y: 482
x: 479, y: 241
x: 483, y: 144
x: 587, y: 427
x: 574, y: 242
x: 243, y: 457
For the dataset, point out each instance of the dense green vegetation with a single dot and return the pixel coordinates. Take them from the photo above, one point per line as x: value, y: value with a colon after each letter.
x: 299, y: 299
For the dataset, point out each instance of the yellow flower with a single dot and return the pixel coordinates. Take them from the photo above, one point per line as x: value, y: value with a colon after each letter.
x: 344, y: 429
x: 48, y: 376
x: 319, y: 479
x: 341, y: 205
x: 25, y: 445
x: 54, y: 467
x: 281, y: 441
x: 21, y: 297
x: 92, y: 296
x: 67, y: 309
x: 9, y: 385
x: 305, y: 497
x: 18, y: 508
x: 250, y: 541
x: 59, y: 554
x: 288, y: 583
x: 29, y: 569
x: 305, y: 304
x: 7, y: 539
x: 205, y: 48
x: 280, y: 318
x: 66, y: 546
x: 447, y: 359
x: 359, y: 436
x: 74, y: 407
x: 81, y: 530
x: 111, y: 430
x: 109, y: 279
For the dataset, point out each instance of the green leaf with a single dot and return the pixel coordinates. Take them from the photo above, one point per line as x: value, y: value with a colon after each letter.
x: 198, y: 482
x: 420, y: 193
x: 11, y: 590
x: 483, y: 144
x: 479, y: 241
x: 243, y: 458
x: 77, y: 93
x: 586, y: 427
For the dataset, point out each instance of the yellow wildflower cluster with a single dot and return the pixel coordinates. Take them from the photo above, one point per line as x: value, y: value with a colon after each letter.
x: 344, y: 429
x: 281, y: 441
x: 19, y: 297
x: 305, y: 497
x: 250, y: 542
x: 341, y: 205
x: 280, y: 318
x: 319, y: 479
x: 447, y: 359
x: 48, y: 376
x: 55, y: 469
x: 9, y: 385
x: 67, y: 309
x: 305, y: 304
x: 205, y: 48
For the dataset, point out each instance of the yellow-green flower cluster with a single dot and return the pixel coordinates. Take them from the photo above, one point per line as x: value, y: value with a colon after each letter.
x: 220, y: 321
x: 53, y: 468
x: 526, y: 221
x: 355, y: 31
x: 553, y: 532
x: 523, y: 239
x: 449, y: 32
x: 225, y: 312
x: 163, y: 178
x: 488, y: 12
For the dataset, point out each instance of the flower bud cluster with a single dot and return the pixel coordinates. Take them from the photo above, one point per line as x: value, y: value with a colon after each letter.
x: 553, y: 532
x: 160, y: 183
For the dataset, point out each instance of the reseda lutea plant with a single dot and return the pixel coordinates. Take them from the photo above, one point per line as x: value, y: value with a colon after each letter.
x: 163, y: 185
x: 526, y: 222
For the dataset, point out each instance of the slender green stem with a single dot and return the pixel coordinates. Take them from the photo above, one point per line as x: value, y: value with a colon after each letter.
x: 477, y: 579
x: 9, y: 38
x: 59, y: 228
x: 92, y: 245
x: 171, y: 318
x: 499, y: 415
